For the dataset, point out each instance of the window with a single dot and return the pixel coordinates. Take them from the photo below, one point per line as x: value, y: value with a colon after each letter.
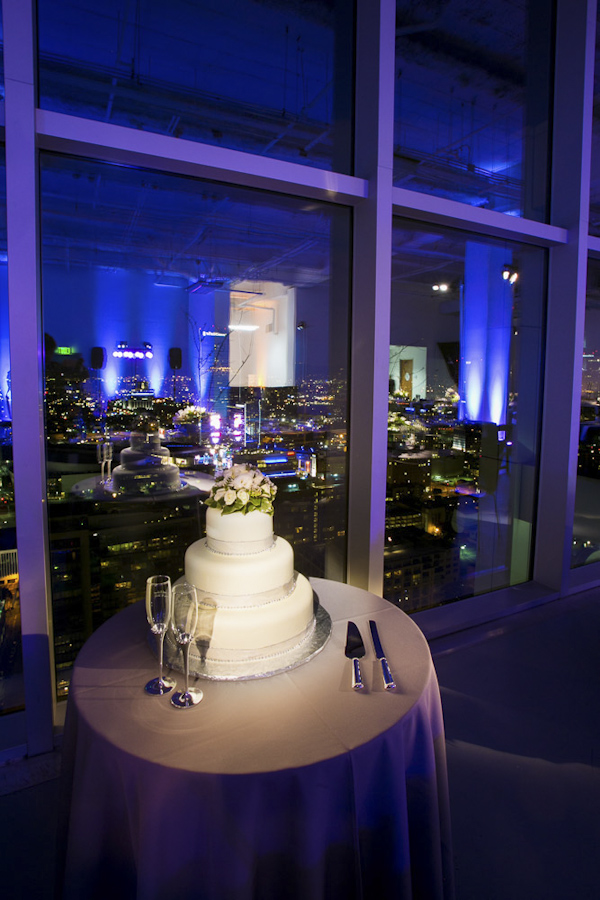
x: 594, y: 226
x: 472, y: 102
x: 11, y: 661
x: 203, y: 322
x: 464, y: 377
x: 270, y: 78
x: 140, y: 247
x: 586, y: 525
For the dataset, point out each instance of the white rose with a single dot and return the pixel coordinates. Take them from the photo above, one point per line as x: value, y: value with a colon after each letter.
x: 229, y: 497
x: 243, y: 496
x: 266, y: 489
x: 219, y: 494
x: 244, y: 480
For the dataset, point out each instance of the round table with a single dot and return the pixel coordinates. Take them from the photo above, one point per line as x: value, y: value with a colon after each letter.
x: 293, y: 786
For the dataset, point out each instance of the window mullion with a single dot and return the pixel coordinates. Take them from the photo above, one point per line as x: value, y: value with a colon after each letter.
x: 371, y: 293
x: 27, y: 372
x: 570, y: 192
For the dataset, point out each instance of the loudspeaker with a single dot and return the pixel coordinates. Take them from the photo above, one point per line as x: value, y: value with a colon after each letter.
x: 175, y: 358
x: 98, y: 358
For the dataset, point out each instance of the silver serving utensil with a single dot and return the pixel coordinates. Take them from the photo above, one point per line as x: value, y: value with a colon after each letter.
x: 388, y: 681
x: 355, y: 650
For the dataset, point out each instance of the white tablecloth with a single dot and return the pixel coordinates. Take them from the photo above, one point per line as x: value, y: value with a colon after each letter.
x: 293, y: 786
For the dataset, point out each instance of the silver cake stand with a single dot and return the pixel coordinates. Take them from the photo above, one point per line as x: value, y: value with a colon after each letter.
x: 205, y: 664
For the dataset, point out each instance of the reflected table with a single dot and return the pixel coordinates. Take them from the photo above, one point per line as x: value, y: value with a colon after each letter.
x: 293, y: 786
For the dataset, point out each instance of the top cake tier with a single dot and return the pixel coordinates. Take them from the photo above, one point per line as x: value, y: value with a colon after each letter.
x: 145, y: 451
x: 237, y: 533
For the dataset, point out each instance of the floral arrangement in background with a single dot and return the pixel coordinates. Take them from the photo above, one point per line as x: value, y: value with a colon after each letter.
x: 188, y: 415
x: 242, y: 489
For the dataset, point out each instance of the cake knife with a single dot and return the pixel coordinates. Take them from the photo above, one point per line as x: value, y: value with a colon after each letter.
x: 388, y: 681
x: 355, y: 650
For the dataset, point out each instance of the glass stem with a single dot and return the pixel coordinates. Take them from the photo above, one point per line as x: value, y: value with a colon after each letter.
x: 161, y: 640
x: 186, y: 656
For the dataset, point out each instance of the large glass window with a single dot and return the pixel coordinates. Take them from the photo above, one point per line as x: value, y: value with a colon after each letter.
x: 11, y: 661
x: 465, y: 378
x: 586, y: 526
x: 472, y: 102
x: 1, y: 54
x: 265, y: 76
x: 594, y: 226
x: 201, y: 322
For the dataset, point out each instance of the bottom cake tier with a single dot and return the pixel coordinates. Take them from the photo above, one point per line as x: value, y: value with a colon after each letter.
x: 219, y: 664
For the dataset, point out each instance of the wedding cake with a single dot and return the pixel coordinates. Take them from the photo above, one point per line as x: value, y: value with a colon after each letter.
x: 145, y: 467
x: 253, y: 605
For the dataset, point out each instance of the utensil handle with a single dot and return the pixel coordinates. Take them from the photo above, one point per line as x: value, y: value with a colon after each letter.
x: 357, y: 683
x: 388, y: 682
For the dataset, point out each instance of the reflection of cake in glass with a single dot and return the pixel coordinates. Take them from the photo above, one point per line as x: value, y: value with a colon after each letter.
x: 145, y: 467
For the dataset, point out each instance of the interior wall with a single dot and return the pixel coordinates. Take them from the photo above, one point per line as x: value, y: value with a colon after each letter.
x: 419, y: 318
x: 108, y: 306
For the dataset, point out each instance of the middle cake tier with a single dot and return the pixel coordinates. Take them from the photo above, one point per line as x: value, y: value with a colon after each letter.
x: 237, y: 575
x: 250, y: 602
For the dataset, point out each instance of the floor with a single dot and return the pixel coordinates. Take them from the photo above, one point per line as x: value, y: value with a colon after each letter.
x: 522, y: 711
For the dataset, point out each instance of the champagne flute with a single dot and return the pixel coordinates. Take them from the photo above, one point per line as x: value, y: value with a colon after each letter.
x: 184, y: 624
x: 159, y: 609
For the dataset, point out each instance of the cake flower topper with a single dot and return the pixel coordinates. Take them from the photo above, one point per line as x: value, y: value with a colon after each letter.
x: 242, y: 489
x: 189, y: 414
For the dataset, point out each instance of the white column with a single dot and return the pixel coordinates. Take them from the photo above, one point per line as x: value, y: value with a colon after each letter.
x: 27, y: 372
x: 570, y: 197
x: 371, y: 291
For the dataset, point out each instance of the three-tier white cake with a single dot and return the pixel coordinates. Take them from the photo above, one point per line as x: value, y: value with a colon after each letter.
x: 253, y: 604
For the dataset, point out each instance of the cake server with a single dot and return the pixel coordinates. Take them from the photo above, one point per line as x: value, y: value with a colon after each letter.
x: 388, y: 681
x: 355, y: 650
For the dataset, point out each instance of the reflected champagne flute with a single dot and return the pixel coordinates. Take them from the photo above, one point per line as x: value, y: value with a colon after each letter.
x: 159, y: 608
x: 184, y: 624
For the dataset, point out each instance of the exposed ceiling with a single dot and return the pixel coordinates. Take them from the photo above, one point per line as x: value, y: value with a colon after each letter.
x: 117, y: 217
x: 260, y: 76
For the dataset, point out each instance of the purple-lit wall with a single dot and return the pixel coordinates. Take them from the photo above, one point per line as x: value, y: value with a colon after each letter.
x: 486, y: 316
x: 314, y: 354
x: 88, y: 308
x: 85, y: 308
x: 420, y: 318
